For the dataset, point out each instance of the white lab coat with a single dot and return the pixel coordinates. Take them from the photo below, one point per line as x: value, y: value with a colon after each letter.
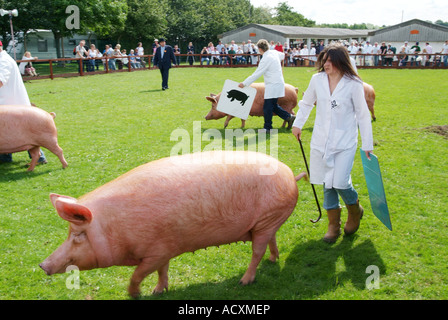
x: 13, y: 90
x: 270, y: 66
x: 335, y: 134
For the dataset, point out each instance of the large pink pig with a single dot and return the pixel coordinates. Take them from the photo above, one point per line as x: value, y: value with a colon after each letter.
x: 288, y: 102
x: 174, y: 205
x: 28, y: 128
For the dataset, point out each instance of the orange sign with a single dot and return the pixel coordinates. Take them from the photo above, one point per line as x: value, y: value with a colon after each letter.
x: 252, y: 34
x: 415, y: 31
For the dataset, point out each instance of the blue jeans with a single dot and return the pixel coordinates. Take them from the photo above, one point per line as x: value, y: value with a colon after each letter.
x: 7, y: 157
x: 269, y: 108
x: 331, y: 197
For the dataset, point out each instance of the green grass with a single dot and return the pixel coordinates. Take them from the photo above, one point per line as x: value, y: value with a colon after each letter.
x: 109, y: 124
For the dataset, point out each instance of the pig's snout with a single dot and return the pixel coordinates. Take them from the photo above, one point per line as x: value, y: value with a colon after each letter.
x: 46, y: 268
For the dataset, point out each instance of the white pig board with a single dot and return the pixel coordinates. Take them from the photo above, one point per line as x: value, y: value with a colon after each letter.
x: 236, y: 101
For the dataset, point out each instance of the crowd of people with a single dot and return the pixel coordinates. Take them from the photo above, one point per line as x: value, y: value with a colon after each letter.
x: 364, y: 53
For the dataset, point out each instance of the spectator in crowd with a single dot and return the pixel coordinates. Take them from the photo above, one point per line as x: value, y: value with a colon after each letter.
x: 240, y: 59
x: 125, y: 59
x: 247, y: 50
x: 233, y: 46
x: 109, y: 53
x: 223, y: 56
x: 278, y: 47
x: 26, y: 68
x: 92, y: 54
x: 383, y: 51
x: 176, y: 50
x: 254, y: 54
x: 304, y: 54
x: 205, y: 56
x: 389, y: 56
x: 367, y: 51
x: 133, y: 60
x: 232, y: 56
x: 81, y: 53
x: 320, y: 47
x: 415, y: 49
x: 117, y: 54
x: 312, y: 53
x: 190, y: 52
x: 216, y: 57
x: 445, y: 53
x: 376, y: 51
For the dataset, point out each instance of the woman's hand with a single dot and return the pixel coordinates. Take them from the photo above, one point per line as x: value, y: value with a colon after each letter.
x: 368, y: 154
x: 297, y: 132
x: 241, y: 85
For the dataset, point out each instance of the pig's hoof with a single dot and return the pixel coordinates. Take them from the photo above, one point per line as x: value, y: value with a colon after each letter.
x: 134, y: 293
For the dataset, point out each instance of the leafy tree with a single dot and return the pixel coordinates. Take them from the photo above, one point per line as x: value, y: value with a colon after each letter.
x: 287, y: 17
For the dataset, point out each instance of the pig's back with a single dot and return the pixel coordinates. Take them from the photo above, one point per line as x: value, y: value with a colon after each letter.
x: 202, y: 201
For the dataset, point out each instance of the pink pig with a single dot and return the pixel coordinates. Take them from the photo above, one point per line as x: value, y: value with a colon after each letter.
x: 28, y: 128
x: 164, y: 208
x: 288, y: 102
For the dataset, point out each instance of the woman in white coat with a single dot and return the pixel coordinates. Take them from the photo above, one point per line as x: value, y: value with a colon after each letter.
x: 338, y: 93
x: 270, y: 66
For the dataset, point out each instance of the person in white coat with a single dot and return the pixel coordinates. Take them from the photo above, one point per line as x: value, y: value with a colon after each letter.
x: 12, y: 90
x: 341, y: 107
x: 270, y: 66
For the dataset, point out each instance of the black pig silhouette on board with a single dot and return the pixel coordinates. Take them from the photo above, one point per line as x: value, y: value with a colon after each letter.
x: 237, y: 95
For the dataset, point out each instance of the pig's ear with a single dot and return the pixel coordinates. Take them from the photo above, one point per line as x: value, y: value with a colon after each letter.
x: 68, y: 209
x: 211, y: 99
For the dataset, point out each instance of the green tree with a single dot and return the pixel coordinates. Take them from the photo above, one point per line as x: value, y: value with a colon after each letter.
x: 287, y: 17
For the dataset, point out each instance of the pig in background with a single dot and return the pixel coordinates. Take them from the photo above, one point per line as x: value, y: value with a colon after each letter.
x: 164, y: 208
x: 288, y: 102
x: 25, y: 128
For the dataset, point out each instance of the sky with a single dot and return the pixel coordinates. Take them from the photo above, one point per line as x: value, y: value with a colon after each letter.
x: 383, y: 12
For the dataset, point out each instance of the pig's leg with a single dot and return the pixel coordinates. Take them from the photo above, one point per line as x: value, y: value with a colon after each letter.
x: 35, y: 154
x: 243, y: 123
x: 163, y: 280
x: 274, y: 250
x: 284, y: 124
x: 146, y: 267
x: 229, y: 117
x: 57, y: 150
x: 259, y: 245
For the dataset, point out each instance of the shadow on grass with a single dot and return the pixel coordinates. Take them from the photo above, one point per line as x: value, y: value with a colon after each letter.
x: 311, y: 269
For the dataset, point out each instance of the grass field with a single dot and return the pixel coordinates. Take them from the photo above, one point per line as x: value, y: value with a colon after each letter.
x: 109, y: 124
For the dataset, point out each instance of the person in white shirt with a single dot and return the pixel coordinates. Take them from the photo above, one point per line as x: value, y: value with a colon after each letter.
x: 81, y: 53
x: 445, y: 52
x: 341, y: 107
x: 12, y: 91
x: 367, y: 50
x: 270, y: 67
x: 304, y: 54
x: 312, y: 54
x: 376, y: 51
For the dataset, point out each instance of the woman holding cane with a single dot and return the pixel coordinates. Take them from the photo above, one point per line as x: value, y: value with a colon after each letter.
x: 338, y: 93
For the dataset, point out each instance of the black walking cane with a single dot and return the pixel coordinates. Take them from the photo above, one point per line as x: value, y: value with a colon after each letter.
x: 312, y: 185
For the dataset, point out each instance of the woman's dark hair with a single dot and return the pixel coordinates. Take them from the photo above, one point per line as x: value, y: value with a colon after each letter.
x: 340, y: 59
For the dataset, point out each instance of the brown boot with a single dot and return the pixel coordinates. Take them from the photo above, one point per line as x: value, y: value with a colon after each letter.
x: 355, y: 212
x: 334, y: 225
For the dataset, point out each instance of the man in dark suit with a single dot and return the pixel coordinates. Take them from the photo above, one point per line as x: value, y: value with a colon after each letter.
x: 163, y: 57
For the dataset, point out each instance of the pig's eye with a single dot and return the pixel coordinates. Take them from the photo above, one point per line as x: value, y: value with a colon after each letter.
x: 79, y: 237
